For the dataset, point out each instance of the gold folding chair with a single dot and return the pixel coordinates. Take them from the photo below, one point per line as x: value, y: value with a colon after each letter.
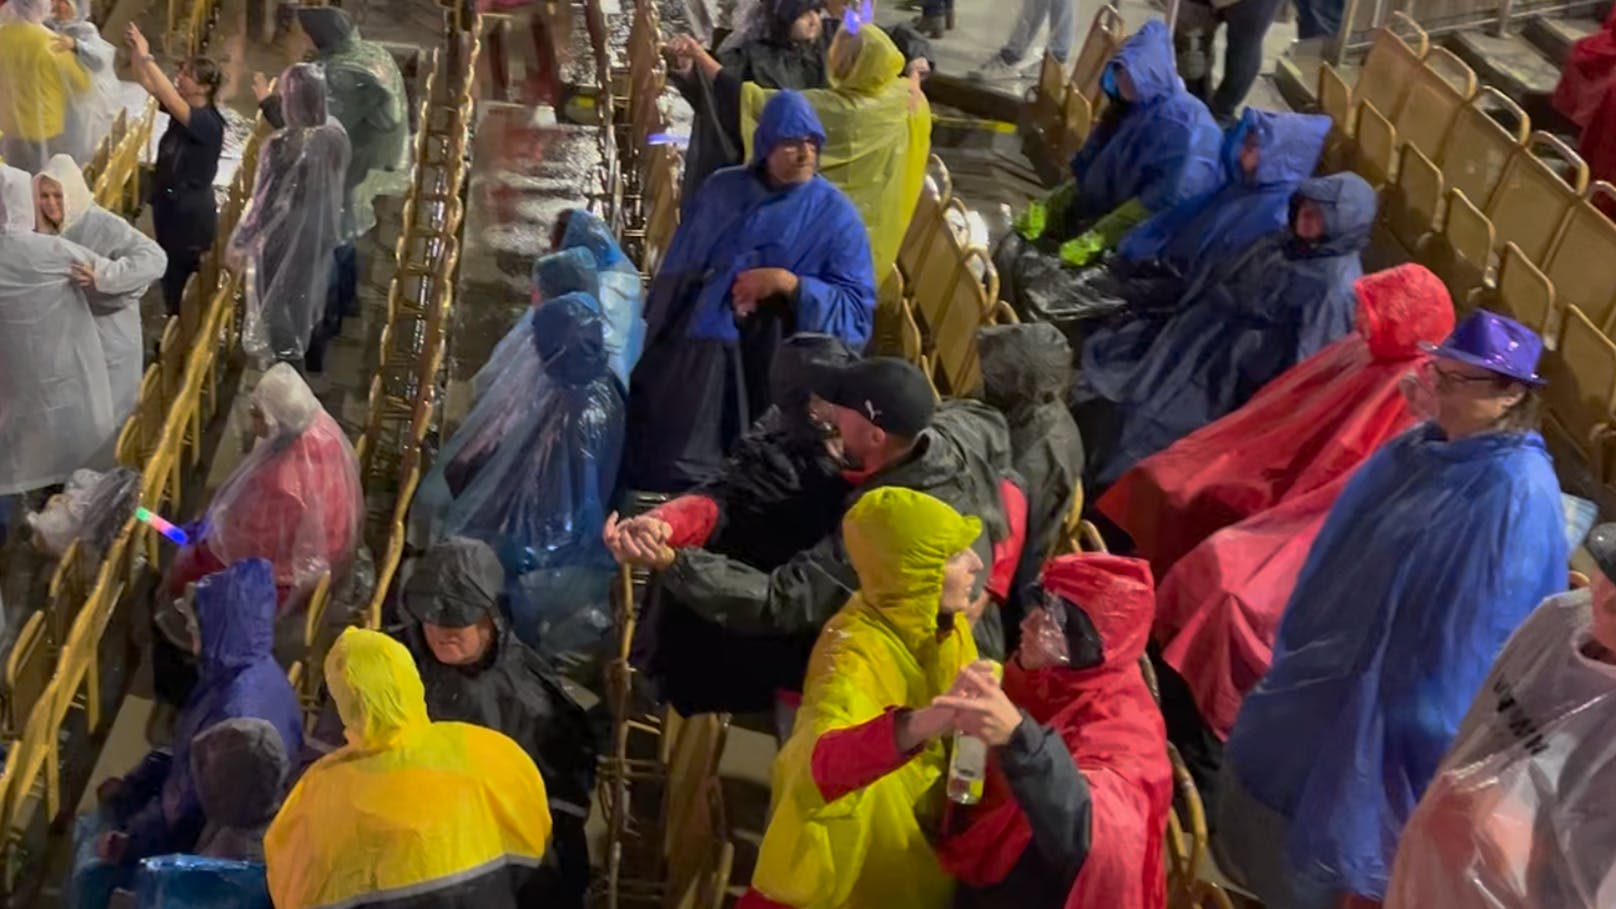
x: 1390, y: 67
x: 28, y: 673
x: 1442, y: 85
x: 1459, y: 253
x: 1480, y: 145
x: 1522, y: 292
x: 1187, y: 848
x: 1533, y: 196
x: 1374, y: 158
x: 1582, y: 263
x: 1581, y: 391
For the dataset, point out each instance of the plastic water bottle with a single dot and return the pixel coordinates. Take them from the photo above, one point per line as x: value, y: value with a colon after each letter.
x: 968, y: 764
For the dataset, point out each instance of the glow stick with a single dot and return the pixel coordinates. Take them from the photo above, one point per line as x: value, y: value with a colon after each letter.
x: 162, y: 526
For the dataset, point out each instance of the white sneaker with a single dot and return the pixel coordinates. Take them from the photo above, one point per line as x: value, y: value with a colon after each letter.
x: 996, y: 70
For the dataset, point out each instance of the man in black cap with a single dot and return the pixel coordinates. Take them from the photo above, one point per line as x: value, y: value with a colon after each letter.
x: 476, y: 671
x: 726, y: 635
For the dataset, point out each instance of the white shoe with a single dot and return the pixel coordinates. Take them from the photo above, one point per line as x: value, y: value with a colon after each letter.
x: 996, y: 70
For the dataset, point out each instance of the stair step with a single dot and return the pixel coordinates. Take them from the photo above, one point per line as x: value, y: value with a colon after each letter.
x: 1509, y: 63
x: 1555, y: 35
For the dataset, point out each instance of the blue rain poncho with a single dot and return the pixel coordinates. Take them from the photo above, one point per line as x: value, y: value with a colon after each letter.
x: 565, y: 272
x: 1242, y: 323
x: 702, y: 378
x: 1219, y: 224
x: 622, y: 293
x: 1162, y: 150
x: 194, y: 882
x: 532, y: 473
x: 133, y: 262
x: 1433, y: 554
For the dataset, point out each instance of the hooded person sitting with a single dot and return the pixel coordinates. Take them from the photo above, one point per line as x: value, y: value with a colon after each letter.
x: 133, y: 262
x: 475, y: 671
x: 410, y: 812
x: 1439, y: 546
x: 1079, y: 786
x: 157, y: 807
x: 858, y: 788
x: 1241, y: 323
x: 1227, y: 514
x: 1026, y: 372
x: 769, y: 250
x: 289, y: 232
x: 780, y: 44
x: 58, y: 414
x: 41, y: 80
x: 90, y: 116
x: 562, y: 272
x: 1155, y: 146
x: 242, y: 770
x: 294, y: 500
x: 1519, y: 813
x: 531, y: 473
x: 879, y: 422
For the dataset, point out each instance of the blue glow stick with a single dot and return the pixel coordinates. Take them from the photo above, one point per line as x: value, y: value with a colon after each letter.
x: 162, y: 526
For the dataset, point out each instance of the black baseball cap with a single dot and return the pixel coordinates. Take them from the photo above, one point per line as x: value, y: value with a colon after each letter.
x: 1601, y: 544
x: 891, y: 393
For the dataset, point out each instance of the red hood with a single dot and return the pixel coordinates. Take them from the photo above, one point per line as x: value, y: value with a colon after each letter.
x: 1400, y: 307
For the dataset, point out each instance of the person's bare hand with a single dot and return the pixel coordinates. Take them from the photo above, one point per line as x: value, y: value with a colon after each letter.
x: 981, y: 708
x: 64, y: 44
x: 917, y: 69
x: 111, y: 846
x: 638, y: 541
x: 917, y: 727
x: 262, y: 86
x: 138, y: 46
x: 82, y: 275
x: 755, y: 285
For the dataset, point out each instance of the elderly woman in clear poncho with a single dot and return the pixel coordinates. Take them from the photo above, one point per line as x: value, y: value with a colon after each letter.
x: 89, y: 118
x: 40, y: 82
x: 291, y: 230
x: 55, y: 405
x: 294, y: 499
x: 133, y: 262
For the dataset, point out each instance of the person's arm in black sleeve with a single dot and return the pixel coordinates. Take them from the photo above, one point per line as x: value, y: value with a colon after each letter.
x: 1053, y: 794
x: 911, y: 43
x: 270, y: 107
x: 798, y: 596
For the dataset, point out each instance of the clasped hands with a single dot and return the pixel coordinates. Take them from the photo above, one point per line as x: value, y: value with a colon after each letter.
x: 975, y: 705
x: 639, y: 541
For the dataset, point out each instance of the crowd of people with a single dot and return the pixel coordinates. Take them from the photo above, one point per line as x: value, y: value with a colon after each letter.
x: 1337, y: 538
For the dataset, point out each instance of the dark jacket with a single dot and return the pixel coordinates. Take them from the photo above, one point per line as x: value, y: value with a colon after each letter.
x: 241, y: 772
x: 961, y: 459
x: 1026, y: 370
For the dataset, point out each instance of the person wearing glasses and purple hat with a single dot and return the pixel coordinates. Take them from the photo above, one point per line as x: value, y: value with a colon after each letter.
x: 1438, y: 547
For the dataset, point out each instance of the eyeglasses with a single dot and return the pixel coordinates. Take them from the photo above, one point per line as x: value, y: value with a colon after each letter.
x: 1451, y: 379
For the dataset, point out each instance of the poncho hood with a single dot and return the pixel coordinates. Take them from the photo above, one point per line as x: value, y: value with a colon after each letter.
x: 586, y: 230
x: 899, y: 541
x: 1288, y: 146
x: 1147, y: 57
x: 1400, y: 308
x: 786, y: 115
x: 328, y: 27
x: 235, y: 616
x: 76, y: 196
x: 1024, y: 365
x: 570, y: 336
x: 1348, y: 205
x: 376, y: 688
x: 455, y: 584
x: 878, y: 63
x: 240, y: 768
x: 16, y: 201
x: 565, y: 272
x: 303, y: 97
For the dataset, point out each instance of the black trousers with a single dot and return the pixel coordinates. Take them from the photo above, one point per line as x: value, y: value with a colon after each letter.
x: 1246, y: 24
x: 184, y: 221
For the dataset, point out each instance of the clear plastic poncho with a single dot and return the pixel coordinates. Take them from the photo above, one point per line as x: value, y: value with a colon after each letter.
x: 38, y: 86
x: 133, y: 262
x: 293, y: 225
x: 532, y: 473
x: 622, y: 293
x: 90, y: 116
x: 55, y: 404
x: 366, y: 92
x: 92, y: 508
x: 1522, y: 812
x: 564, y: 272
x: 295, y: 498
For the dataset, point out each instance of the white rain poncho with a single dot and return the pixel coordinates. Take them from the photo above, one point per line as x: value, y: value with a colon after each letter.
x: 294, y: 223
x: 295, y: 498
x: 367, y: 96
x: 133, y: 262
x: 38, y: 86
x: 55, y: 404
x: 1522, y: 812
x: 90, y: 116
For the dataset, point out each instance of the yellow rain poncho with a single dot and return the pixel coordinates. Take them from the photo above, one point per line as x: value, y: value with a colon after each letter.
x: 408, y: 807
x: 870, y: 849
x: 878, y: 137
x: 37, y: 83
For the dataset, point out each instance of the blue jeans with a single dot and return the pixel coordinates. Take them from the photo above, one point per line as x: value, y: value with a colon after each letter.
x: 1062, y: 18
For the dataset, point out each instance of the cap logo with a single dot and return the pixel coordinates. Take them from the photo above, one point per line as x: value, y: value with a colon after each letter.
x: 871, y: 411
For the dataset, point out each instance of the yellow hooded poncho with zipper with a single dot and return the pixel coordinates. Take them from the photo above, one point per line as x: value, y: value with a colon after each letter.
x: 871, y: 849
x: 877, y: 139
x: 408, y: 807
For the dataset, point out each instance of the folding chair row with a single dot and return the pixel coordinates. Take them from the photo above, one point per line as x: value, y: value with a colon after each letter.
x: 1065, y: 105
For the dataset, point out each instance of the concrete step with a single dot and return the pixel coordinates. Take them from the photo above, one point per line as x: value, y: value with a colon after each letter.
x: 1510, y: 63
x: 1555, y: 35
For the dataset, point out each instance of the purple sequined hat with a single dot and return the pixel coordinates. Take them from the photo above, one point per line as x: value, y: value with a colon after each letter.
x: 1493, y: 342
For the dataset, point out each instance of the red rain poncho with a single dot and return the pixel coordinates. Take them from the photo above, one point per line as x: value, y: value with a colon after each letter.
x: 1219, y: 607
x: 1589, y: 72
x: 1114, y: 730
x: 1313, y: 424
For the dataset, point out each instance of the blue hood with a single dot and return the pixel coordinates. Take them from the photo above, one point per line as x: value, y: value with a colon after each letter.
x: 787, y: 115
x: 1348, y: 204
x: 585, y: 229
x: 235, y: 615
x: 565, y: 272
x: 1288, y: 146
x: 1148, y: 59
x: 570, y: 336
